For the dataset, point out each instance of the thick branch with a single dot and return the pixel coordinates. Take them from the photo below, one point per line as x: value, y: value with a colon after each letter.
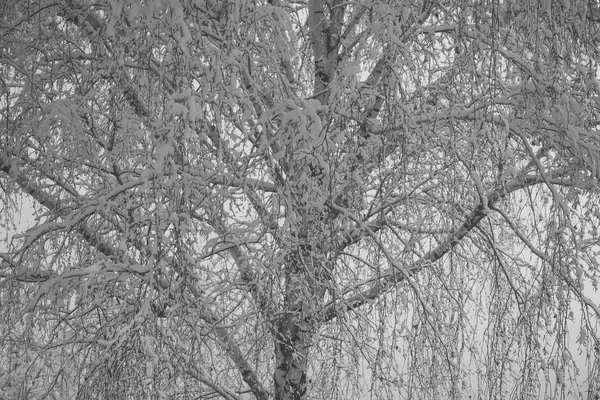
x: 236, y: 355
x: 382, y: 67
x: 89, y: 236
x: 316, y: 18
x: 394, y: 275
x: 89, y: 24
x: 202, y: 376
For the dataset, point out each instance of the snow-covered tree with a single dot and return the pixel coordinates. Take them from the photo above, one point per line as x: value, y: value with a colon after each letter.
x: 311, y: 199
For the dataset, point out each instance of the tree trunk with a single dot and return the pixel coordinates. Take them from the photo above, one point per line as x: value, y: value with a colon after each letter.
x: 292, y: 345
x: 295, y: 329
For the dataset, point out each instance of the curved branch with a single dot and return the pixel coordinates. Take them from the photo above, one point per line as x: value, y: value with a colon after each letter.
x: 52, y: 204
x: 398, y: 273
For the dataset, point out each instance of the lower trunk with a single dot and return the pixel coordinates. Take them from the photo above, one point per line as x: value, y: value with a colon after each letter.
x: 295, y: 328
x: 292, y: 345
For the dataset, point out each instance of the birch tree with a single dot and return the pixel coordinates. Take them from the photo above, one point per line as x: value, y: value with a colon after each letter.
x: 319, y: 199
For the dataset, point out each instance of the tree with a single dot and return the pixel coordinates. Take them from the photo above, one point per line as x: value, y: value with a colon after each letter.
x: 299, y: 200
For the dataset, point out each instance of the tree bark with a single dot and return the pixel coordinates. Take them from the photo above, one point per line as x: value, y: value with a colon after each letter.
x: 292, y: 345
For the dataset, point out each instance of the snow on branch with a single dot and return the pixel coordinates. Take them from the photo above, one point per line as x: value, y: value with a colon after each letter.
x: 398, y: 273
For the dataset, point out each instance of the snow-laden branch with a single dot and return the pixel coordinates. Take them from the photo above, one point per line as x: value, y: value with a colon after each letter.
x: 232, y: 181
x: 201, y: 375
x: 316, y: 21
x: 236, y: 355
x: 544, y: 257
x: 382, y: 68
x: 10, y: 167
x: 51, y: 203
x: 395, y: 274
